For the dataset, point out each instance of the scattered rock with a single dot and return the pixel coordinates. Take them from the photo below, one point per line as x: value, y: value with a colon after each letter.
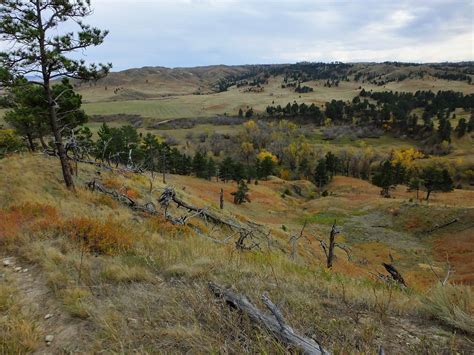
x: 25, y: 270
x: 48, y: 339
x: 49, y: 315
x: 7, y: 263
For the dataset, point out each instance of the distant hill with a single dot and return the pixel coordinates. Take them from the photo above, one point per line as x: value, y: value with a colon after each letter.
x: 154, y: 82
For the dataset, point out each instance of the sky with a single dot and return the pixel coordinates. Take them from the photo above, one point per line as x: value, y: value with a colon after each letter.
x: 184, y: 33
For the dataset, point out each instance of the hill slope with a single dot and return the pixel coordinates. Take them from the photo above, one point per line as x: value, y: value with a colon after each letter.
x: 128, y: 282
x: 161, y: 93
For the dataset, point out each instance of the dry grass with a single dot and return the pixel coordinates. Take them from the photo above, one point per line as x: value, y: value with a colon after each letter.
x: 18, y: 329
x: 453, y: 305
x: 145, y: 287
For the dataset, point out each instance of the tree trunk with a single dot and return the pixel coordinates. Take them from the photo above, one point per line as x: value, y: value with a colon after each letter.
x: 164, y: 167
x: 428, y: 194
x: 58, y: 140
x: 221, y: 200
x: 31, y: 144
x: 43, y: 143
x: 46, y: 73
x: 332, y: 244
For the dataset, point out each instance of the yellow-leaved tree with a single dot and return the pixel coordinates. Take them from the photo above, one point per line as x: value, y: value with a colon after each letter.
x: 264, y: 154
x: 406, y: 157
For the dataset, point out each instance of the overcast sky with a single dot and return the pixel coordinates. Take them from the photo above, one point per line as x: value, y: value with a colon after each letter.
x: 176, y: 33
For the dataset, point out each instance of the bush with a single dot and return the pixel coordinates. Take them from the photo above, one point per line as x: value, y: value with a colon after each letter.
x: 106, y: 238
x: 9, y: 142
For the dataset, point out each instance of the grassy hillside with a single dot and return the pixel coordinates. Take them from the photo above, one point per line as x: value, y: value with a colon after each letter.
x: 189, y: 105
x: 162, y: 93
x: 96, y: 275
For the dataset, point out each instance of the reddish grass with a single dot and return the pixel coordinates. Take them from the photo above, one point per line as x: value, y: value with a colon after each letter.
x: 32, y: 216
x: 460, y: 250
x: 108, y: 238
x: 159, y: 225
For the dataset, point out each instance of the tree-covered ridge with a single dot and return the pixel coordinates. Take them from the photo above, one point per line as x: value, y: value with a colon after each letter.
x: 333, y: 73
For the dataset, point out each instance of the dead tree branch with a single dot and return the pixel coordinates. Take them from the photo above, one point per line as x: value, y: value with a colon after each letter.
x: 275, y: 324
x: 329, y: 250
x: 436, y: 226
x: 449, y: 272
x: 169, y: 195
x: 294, y: 240
x: 124, y: 199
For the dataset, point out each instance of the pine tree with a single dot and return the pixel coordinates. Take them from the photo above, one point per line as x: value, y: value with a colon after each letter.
x: 211, y: 169
x: 226, y: 169
x: 436, y: 179
x: 385, y: 178
x: 415, y: 184
x: 332, y: 163
x: 238, y: 173
x: 470, y: 124
x: 241, y: 195
x: 36, y: 44
x: 249, y: 113
x: 200, y: 165
x: 461, y: 127
x: 444, y: 130
x: 321, y: 176
x: 265, y: 168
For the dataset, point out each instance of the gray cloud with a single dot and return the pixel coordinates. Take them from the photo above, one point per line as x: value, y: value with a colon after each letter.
x: 200, y: 32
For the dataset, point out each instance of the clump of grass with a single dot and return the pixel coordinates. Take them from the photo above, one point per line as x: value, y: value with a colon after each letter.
x: 74, y: 300
x: 199, y: 269
x: 125, y: 273
x: 453, y: 305
x: 18, y: 331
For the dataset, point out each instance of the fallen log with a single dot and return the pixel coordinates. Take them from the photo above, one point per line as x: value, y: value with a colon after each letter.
x: 274, y: 323
x: 169, y: 195
x: 436, y: 226
x: 124, y: 199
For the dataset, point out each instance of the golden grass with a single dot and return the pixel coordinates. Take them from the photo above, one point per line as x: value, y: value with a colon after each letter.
x: 18, y: 329
x: 453, y: 305
x: 179, y: 102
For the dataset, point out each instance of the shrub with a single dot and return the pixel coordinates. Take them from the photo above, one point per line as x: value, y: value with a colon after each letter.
x: 108, y: 238
x: 9, y: 142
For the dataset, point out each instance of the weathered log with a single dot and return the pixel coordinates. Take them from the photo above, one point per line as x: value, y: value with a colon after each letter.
x: 124, y: 199
x: 170, y: 195
x: 436, y: 226
x: 275, y: 324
